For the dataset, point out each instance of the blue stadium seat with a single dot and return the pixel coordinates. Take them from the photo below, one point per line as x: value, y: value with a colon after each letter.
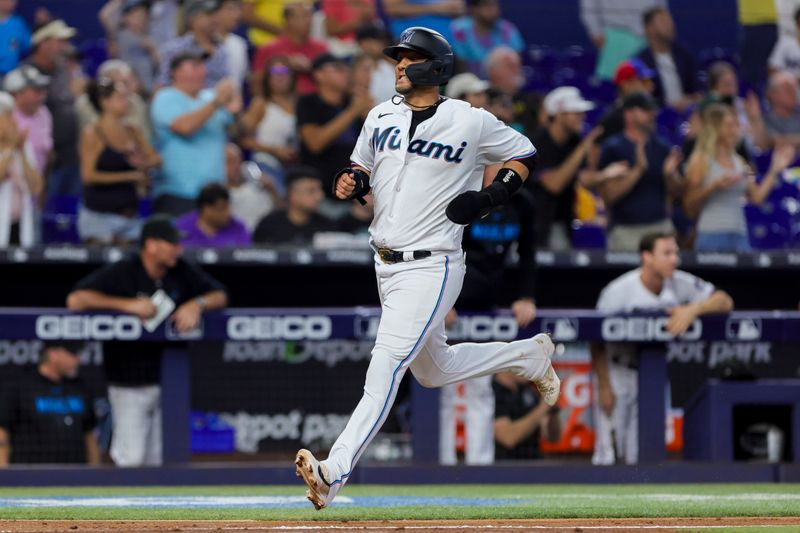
x: 60, y: 220
x: 93, y: 54
x: 588, y: 236
x: 769, y: 228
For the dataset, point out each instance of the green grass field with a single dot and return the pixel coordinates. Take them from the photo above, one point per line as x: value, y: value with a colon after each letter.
x: 515, y: 501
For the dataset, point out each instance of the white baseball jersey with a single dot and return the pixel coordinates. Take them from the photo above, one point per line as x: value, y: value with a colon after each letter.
x: 627, y: 294
x: 414, y: 180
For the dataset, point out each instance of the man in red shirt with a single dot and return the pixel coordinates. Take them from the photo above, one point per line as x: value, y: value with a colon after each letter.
x: 296, y: 44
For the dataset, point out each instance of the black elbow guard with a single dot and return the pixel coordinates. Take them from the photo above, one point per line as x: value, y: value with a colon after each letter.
x: 362, y: 183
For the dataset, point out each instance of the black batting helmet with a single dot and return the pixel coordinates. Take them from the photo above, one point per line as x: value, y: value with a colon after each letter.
x: 438, y: 69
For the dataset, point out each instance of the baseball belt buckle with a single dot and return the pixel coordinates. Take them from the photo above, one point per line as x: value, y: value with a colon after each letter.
x: 387, y: 255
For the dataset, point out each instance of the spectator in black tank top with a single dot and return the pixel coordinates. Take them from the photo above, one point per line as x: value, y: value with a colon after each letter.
x: 115, y: 163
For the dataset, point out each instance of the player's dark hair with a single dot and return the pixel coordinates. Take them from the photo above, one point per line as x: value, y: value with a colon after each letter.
x: 211, y: 194
x: 648, y: 242
x: 797, y: 16
x: 650, y: 14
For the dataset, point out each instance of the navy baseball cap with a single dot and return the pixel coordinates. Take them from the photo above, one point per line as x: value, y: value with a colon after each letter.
x: 160, y: 227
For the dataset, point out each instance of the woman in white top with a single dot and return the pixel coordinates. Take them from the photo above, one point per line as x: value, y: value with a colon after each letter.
x: 20, y: 182
x: 719, y: 181
x: 270, y: 122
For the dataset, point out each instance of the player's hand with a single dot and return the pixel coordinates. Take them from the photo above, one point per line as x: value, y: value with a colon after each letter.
x: 524, y: 310
x: 450, y: 318
x: 142, y: 307
x: 345, y: 186
x: 680, y: 318
x: 607, y: 399
x: 187, y: 316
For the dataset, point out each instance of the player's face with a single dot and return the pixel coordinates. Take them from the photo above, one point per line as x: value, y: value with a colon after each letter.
x: 405, y: 58
x: 665, y: 257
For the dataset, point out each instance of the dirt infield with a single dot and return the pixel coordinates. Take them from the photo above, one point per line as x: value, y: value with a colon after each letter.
x: 252, y: 526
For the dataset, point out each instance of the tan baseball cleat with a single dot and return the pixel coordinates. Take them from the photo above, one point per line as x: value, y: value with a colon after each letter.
x: 313, y: 473
x: 549, y: 384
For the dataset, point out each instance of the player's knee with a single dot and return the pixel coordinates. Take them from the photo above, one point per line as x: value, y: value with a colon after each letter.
x: 428, y: 380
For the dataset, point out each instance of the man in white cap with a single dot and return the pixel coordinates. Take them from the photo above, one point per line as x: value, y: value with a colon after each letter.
x: 50, y: 44
x: 562, y: 157
x: 28, y: 86
x: 470, y: 88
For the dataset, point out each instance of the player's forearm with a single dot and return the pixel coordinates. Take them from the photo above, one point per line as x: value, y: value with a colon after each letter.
x: 87, y: 300
x: 5, y: 447
x: 718, y: 302
x: 511, y: 433
x: 92, y: 449
x: 600, y: 363
x: 519, y: 168
x: 215, y: 300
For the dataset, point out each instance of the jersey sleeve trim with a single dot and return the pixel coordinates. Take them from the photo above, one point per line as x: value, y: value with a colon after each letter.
x: 524, y: 156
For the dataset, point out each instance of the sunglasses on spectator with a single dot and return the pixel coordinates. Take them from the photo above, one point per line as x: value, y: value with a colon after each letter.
x: 279, y: 69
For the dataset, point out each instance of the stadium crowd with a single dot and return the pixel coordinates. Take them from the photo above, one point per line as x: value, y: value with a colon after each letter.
x: 233, y: 141
x: 180, y: 100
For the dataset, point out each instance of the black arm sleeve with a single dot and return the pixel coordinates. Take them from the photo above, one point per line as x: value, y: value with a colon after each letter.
x: 526, y: 244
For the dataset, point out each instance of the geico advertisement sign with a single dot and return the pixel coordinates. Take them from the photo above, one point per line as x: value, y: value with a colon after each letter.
x: 484, y: 328
x: 645, y: 329
x: 288, y: 327
x: 94, y: 327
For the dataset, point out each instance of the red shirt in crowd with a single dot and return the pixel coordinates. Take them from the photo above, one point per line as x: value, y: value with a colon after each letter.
x: 282, y: 46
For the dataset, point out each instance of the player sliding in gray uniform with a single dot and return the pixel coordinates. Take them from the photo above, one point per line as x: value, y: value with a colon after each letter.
x: 423, y: 156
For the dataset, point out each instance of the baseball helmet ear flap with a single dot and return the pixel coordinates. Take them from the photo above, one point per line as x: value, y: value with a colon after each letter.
x: 432, y: 72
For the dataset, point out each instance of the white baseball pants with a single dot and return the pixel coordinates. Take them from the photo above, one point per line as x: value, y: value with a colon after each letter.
x: 415, y: 297
x: 621, y: 429
x: 136, y: 413
x: 478, y: 401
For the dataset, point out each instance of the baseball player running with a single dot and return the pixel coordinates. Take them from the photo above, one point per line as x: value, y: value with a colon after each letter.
x: 422, y: 156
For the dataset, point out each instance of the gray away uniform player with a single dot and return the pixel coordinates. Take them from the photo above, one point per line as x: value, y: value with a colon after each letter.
x: 423, y: 156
